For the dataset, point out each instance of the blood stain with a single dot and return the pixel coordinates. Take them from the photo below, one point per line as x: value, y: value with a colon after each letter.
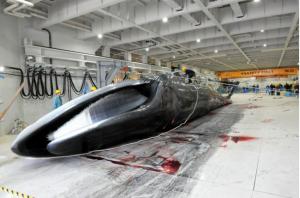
x: 250, y: 106
x: 212, y: 113
x: 170, y: 166
x: 128, y: 158
x: 236, y: 139
x: 267, y: 120
x: 224, y: 137
x: 227, y: 103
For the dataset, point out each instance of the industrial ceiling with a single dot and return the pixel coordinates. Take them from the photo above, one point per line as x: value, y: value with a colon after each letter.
x: 217, y: 34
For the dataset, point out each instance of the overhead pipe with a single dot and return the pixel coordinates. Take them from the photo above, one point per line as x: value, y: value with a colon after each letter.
x: 49, y: 39
x: 27, y: 3
x: 17, y: 5
x: 14, y: 7
x: 11, y: 7
x: 23, y: 6
x: 75, y: 26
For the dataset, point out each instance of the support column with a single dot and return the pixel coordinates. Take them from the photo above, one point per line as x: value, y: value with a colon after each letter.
x: 82, y: 63
x: 106, y: 51
x: 145, y: 59
x: 128, y: 56
x: 157, y: 62
x: 169, y: 64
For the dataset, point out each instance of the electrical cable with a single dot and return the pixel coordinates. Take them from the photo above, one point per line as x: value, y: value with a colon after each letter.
x: 42, y: 83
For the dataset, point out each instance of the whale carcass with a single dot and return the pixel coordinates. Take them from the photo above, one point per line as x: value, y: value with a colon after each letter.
x: 116, y: 113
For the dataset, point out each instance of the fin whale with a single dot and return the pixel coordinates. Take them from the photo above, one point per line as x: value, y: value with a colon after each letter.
x: 111, y: 115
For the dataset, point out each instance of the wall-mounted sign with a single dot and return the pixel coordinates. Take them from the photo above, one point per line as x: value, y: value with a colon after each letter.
x: 259, y: 73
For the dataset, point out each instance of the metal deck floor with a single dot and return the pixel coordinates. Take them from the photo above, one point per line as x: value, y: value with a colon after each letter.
x: 246, y: 149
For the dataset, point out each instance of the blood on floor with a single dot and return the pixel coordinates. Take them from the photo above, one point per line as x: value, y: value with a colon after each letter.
x: 267, y: 120
x: 250, y: 106
x: 236, y: 139
x: 168, y: 165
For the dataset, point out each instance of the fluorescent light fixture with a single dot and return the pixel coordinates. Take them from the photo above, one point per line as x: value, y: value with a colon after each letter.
x: 216, y: 51
x: 147, y: 49
x: 165, y: 19
x: 262, y: 30
x: 100, y: 36
x: 25, y: 3
x: 2, y: 69
x: 256, y: 1
x: 265, y: 45
x: 198, y: 40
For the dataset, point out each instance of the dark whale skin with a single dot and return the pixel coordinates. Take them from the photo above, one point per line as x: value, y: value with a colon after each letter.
x: 113, y: 115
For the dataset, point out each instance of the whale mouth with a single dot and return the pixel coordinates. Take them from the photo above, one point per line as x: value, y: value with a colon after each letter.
x: 111, y: 105
x: 77, y: 119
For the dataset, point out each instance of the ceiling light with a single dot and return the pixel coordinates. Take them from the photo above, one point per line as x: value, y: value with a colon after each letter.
x: 216, y: 51
x: 25, y: 3
x: 100, y: 36
x: 174, y: 57
x: 265, y: 45
x: 165, y: 19
x: 1, y: 69
x: 256, y: 1
x: 262, y: 30
x: 198, y: 40
x: 147, y: 49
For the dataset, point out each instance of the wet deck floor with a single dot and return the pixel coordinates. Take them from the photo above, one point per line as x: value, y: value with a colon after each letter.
x: 246, y: 149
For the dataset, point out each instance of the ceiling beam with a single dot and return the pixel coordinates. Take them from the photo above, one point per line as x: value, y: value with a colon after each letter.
x: 237, y: 11
x: 289, y: 37
x: 245, y: 46
x: 174, y: 4
x: 272, y: 26
x: 179, y: 26
x: 228, y: 47
x: 220, y: 26
x: 221, y: 46
x: 154, y: 34
x: 280, y: 49
x: 216, y: 40
x: 62, y: 11
x: 191, y: 19
x: 198, y: 58
x: 152, y: 12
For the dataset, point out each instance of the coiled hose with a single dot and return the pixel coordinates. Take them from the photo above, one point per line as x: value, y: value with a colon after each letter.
x: 42, y: 84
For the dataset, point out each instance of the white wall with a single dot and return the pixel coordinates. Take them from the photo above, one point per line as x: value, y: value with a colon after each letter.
x: 12, y: 33
x: 62, y: 38
x: 10, y: 54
